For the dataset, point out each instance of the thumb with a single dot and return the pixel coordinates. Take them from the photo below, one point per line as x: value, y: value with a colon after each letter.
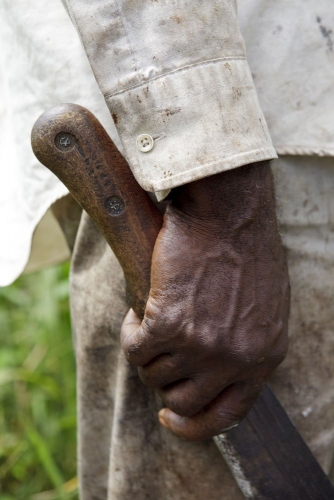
x: 130, y: 324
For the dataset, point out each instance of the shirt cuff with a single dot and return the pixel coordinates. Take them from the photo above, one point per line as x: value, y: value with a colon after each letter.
x: 203, y: 119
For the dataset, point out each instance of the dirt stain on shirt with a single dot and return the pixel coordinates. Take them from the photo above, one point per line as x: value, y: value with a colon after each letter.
x: 327, y: 34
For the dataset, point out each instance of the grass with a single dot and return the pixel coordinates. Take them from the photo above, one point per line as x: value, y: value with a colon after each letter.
x: 37, y: 389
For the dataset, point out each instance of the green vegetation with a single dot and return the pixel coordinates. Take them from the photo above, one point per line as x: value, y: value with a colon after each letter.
x: 37, y: 389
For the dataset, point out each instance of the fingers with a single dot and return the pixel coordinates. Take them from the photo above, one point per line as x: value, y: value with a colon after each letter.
x: 162, y: 371
x: 225, y: 412
x: 139, y: 345
x: 155, y: 369
x: 181, y: 390
x: 198, y: 405
x: 187, y: 397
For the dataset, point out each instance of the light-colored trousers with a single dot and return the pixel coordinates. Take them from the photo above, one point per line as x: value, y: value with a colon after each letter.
x: 124, y: 453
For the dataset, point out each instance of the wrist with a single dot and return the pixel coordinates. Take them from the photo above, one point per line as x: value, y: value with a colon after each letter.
x: 242, y: 197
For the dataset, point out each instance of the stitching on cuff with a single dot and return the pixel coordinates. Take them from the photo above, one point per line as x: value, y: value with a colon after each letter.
x: 108, y: 95
x: 227, y: 163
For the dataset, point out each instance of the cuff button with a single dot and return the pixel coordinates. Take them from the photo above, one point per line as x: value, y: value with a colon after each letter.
x: 145, y: 143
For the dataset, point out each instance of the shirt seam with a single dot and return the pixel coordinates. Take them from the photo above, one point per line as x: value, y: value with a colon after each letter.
x: 109, y: 95
x: 148, y: 111
x: 300, y: 150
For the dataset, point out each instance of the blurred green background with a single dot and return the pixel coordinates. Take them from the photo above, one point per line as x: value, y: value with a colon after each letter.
x: 37, y: 389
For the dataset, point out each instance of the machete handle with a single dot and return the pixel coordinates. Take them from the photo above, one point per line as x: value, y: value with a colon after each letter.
x: 71, y: 142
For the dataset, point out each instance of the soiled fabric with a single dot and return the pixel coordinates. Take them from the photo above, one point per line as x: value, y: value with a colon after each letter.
x: 42, y: 64
x: 290, y: 49
x: 123, y: 451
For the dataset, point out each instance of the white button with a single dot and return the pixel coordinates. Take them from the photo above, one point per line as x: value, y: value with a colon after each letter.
x: 145, y: 143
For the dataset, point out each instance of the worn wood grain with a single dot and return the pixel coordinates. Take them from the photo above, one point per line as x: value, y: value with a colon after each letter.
x: 71, y: 142
x: 266, y: 454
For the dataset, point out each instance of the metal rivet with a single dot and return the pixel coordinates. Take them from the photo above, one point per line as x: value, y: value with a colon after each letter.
x: 65, y: 141
x: 145, y: 143
x: 114, y: 205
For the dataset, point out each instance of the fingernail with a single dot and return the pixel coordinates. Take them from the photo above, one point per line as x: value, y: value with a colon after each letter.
x: 162, y: 419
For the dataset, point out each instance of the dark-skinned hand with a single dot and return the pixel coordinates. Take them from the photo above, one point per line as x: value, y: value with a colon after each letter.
x: 215, y: 325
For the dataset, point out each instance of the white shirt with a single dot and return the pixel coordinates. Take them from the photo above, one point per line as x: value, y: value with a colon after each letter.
x: 175, y: 70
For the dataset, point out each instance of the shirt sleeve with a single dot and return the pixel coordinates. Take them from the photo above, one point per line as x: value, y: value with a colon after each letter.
x: 175, y: 78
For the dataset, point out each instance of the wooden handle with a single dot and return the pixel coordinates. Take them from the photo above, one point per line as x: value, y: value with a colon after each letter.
x: 71, y: 142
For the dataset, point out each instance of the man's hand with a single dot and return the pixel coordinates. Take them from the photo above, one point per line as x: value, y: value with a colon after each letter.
x: 215, y: 325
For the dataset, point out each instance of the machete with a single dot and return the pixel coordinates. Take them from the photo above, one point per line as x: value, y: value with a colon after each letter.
x: 265, y: 453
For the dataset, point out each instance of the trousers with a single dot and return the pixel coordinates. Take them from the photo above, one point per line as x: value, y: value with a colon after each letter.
x: 123, y: 452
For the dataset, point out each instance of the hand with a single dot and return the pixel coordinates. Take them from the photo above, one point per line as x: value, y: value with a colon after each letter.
x: 215, y: 325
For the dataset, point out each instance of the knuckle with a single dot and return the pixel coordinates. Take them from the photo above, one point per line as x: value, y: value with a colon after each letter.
x: 132, y: 352
x: 152, y: 310
x: 148, y: 325
x: 270, y: 345
x: 164, y: 309
x: 132, y: 347
x: 155, y: 323
x: 248, y: 352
